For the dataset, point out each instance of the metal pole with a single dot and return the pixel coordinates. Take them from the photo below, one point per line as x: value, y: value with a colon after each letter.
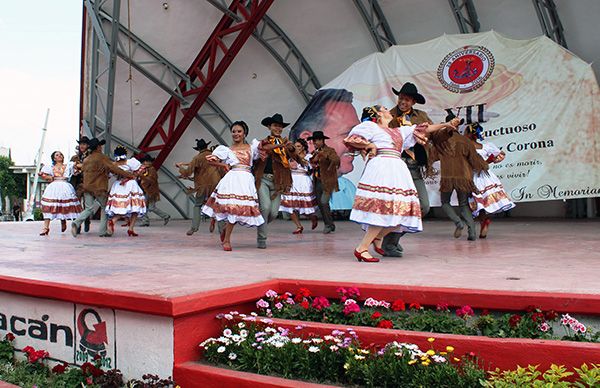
x: 31, y: 201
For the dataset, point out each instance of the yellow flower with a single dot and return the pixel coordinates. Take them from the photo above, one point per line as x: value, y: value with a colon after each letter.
x: 412, y: 362
x: 431, y: 352
x: 430, y: 340
x: 456, y: 359
x: 449, y: 349
x: 426, y: 363
x: 443, y: 353
x: 424, y: 357
x: 346, y: 366
x: 363, y: 351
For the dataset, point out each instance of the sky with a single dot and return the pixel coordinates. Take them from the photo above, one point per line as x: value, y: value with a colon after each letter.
x: 40, y: 56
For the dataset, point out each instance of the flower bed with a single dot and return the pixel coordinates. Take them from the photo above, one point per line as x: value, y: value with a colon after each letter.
x: 339, y: 357
x: 35, y: 372
x: 533, y: 323
x: 253, y: 344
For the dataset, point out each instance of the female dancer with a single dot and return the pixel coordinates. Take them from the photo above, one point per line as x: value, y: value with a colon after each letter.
x: 126, y: 197
x: 490, y: 196
x: 301, y: 198
x: 386, y: 198
x: 59, y: 201
x: 235, y: 199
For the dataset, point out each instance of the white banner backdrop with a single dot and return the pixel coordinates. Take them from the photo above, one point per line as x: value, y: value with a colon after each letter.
x: 536, y: 101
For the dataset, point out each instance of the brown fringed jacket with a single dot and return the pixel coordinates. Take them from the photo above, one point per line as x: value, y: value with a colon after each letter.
x: 328, y: 163
x: 95, y: 169
x: 206, y: 176
x: 458, y: 159
x: 282, y: 176
x: 149, y: 183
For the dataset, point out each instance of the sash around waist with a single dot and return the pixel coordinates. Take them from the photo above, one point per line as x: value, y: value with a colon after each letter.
x: 241, y: 167
x: 389, y: 152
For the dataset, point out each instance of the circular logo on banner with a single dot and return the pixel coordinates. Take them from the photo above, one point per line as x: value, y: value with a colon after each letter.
x: 466, y: 69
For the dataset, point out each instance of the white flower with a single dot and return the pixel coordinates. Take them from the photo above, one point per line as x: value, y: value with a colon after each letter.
x: 241, y: 325
x: 306, y: 341
x: 236, y: 338
x: 334, y: 348
x: 229, y: 317
x: 227, y: 332
x: 438, y: 359
x: 356, y: 356
x: 349, y: 301
x: 244, y: 333
x: 317, y: 340
x: 313, y: 349
x: 279, y: 344
x: 296, y: 340
x: 328, y: 338
x: 270, y: 330
x: 207, y: 342
x: 221, y: 349
x: 232, y: 356
x: 254, y: 314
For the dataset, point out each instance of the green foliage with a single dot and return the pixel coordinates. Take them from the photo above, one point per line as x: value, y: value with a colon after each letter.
x: 557, y: 376
x: 7, y: 351
x: 37, y: 214
x: 8, y: 183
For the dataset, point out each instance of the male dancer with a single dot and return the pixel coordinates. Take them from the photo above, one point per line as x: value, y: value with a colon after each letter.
x: 77, y: 177
x: 272, y: 173
x: 149, y: 183
x: 414, y: 157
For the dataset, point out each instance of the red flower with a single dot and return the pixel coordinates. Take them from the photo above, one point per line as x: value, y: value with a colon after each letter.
x: 550, y: 315
x: 305, y: 304
x: 9, y: 337
x: 351, y: 308
x: 398, y: 305
x: 514, y: 320
x: 305, y: 292
x: 442, y: 307
x: 531, y: 308
x: 60, y: 368
x: 376, y: 315
x: 465, y: 311
x: 485, y: 312
x: 414, y: 306
x: 320, y: 302
x: 385, y: 324
x: 352, y: 292
x: 90, y: 369
x: 28, y: 349
x: 537, y: 317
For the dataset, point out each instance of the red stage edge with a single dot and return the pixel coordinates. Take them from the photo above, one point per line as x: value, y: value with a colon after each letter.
x: 194, y: 315
x: 192, y: 374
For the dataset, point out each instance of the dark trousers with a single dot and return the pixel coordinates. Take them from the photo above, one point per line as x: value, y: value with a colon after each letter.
x: 463, y: 205
x: 323, y: 199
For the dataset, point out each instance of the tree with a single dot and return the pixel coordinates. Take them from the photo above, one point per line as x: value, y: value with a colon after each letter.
x: 8, y: 183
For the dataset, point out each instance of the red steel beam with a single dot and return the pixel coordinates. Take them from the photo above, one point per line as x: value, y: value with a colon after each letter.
x: 206, y: 70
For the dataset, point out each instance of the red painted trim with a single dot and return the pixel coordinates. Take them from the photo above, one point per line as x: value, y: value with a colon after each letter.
x: 503, y: 353
x: 198, y: 375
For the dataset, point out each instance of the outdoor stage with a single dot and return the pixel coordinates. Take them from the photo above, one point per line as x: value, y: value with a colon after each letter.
x: 144, y: 304
x: 523, y: 254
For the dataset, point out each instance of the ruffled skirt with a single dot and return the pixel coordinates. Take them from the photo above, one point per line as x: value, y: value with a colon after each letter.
x: 125, y: 200
x: 490, y: 195
x: 386, y: 196
x: 301, y: 197
x: 60, y: 202
x: 235, y: 199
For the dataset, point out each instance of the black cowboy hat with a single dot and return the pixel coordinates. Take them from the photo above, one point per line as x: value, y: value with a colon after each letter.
x: 410, y: 89
x: 95, y: 143
x: 316, y: 135
x: 453, y: 116
x: 201, y: 145
x: 275, y: 119
x: 84, y: 140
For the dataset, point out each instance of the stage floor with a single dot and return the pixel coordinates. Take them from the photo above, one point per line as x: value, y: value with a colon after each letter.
x: 527, y: 255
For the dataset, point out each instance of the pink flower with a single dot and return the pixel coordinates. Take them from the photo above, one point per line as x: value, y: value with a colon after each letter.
x: 290, y: 301
x: 544, y: 327
x: 263, y: 304
x: 320, y: 302
x: 351, y: 308
x: 278, y: 306
x: 353, y: 291
x: 465, y: 311
x: 271, y: 294
x: 384, y: 304
x: 370, y: 302
x: 442, y: 307
x: 349, y: 301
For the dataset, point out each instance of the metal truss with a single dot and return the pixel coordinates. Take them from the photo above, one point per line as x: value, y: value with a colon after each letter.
x: 219, y: 51
x: 281, y: 47
x: 103, y: 70
x: 376, y: 22
x: 550, y: 21
x: 172, y: 179
x: 165, y: 75
x: 465, y: 15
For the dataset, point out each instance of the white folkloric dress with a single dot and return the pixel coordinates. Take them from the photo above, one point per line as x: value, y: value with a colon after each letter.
x: 386, y: 195
x: 235, y: 199
x: 490, y: 195
x: 127, y: 199
x: 59, y: 201
x: 301, y: 197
